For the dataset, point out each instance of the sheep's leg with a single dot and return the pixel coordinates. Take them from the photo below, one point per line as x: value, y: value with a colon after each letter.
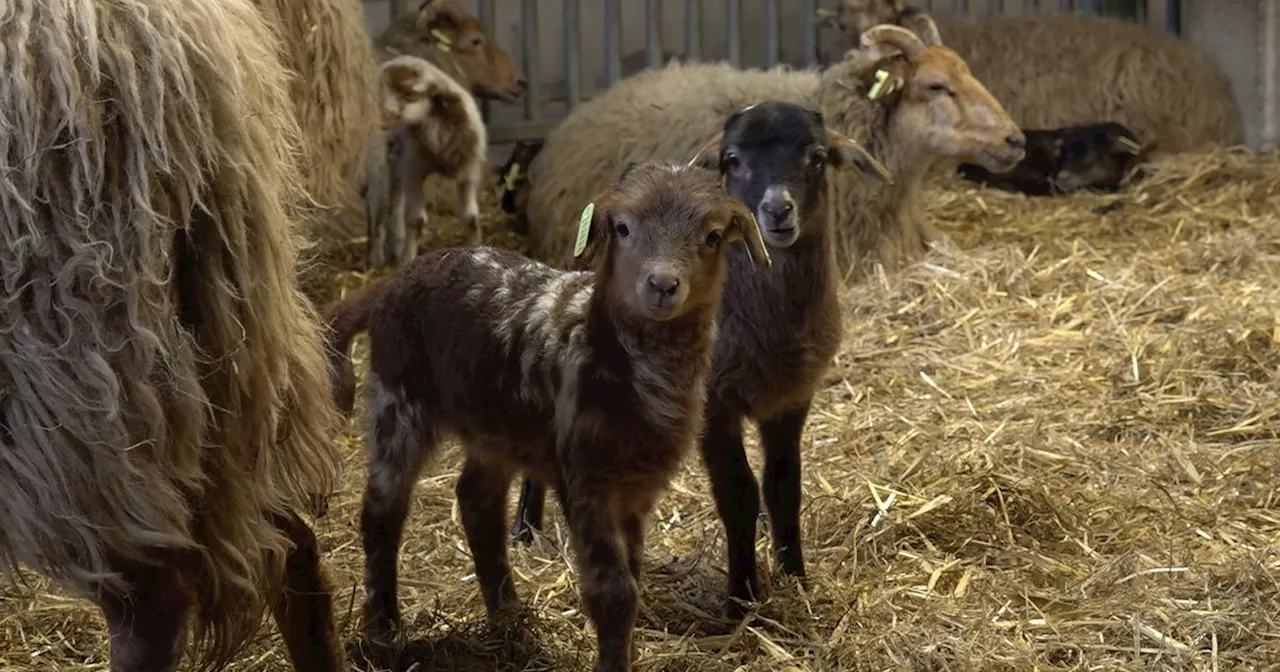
x: 399, y: 204
x: 417, y: 219
x: 467, y: 189
x: 780, y: 438
x: 304, y: 609
x: 737, y: 496
x: 377, y: 193
x: 397, y: 452
x: 482, y: 503
x: 148, y: 626
x: 529, y: 511
x: 610, y: 594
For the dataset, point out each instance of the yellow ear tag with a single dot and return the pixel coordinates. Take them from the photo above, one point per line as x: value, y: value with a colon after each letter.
x: 442, y: 40
x: 1129, y: 145
x: 584, y: 228
x: 874, y: 93
x: 510, y: 181
x: 735, y: 235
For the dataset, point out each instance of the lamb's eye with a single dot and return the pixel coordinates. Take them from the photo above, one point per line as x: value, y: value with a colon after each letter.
x: 731, y: 161
x: 818, y: 157
x: 622, y: 230
x: 939, y: 89
x: 714, y: 238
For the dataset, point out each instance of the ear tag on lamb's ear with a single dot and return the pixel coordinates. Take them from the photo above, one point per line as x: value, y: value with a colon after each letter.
x: 1129, y: 145
x: 584, y: 229
x: 509, y: 181
x: 876, y: 91
x: 442, y: 40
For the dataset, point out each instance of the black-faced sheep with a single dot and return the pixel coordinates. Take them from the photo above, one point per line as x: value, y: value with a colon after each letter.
x: 1059, y: 161
x: 777, y: 331
x: 1065, y: 69
x: 593, y: 381
x: 454, y: 40
x: 434, y: 128
x: 163, y: 402
x: 928, y: 110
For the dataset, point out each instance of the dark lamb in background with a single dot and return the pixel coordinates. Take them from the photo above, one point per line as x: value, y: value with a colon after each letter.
x: 778, y: 331
x: 1059, y: 161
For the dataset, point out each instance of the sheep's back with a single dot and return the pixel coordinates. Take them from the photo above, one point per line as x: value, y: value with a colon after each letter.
x: 1051, y: 71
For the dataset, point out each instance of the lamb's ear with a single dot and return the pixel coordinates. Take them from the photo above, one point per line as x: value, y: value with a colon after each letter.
x: 910, y: 44
x: 708, y: 156
x: 845, y: 154
x: 594, y: 229
x: 743, y: 227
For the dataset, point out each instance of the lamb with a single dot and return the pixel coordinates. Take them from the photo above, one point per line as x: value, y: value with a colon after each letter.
x: 433, y: 127
x: 453, y: 40
x: 513, y: 176
x: 1060, y: 161
x: 928, y: 110
x: 1065, y: 69
x: 593, y: 381
x: 778, y: 331
x: 163, y: 411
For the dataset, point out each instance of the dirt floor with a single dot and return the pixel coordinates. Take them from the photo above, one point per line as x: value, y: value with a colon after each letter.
x: 1053, y: 445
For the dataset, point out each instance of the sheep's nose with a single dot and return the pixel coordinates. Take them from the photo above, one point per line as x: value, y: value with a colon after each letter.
x: 663, y: 284
x: 778, y: 210
x: 1017, y: 140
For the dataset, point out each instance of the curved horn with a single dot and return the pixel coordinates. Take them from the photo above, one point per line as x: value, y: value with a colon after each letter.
x: 895, y: 36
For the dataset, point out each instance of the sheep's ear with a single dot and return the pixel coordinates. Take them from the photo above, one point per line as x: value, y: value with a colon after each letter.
x: 845, y: 153
x: 887, y: 35
x: 594, y: 229
x: 744, y: 227
x: 708, y: 156
x: 923, y: 26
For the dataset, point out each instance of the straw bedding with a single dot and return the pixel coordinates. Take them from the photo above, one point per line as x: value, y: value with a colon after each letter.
x: 1054, y: 444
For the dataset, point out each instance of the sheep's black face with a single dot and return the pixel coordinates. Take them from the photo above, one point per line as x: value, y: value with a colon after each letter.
x: 774, y: 156
x: 1096, y: 157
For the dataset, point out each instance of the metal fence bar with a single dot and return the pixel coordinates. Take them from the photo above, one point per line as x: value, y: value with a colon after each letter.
x: 653, y: 33
x: 772, y: 34
x: 812, y: 25
x: 692, y: 30
x: 532, y: 59
x: 1086, y: 6
x: 572, y: 54
x: 612, y: 42
x: 488, y: 17
x: 733, y: 31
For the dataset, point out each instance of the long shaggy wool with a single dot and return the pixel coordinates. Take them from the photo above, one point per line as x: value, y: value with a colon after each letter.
x: 162, y: 384
x: 334, y: 89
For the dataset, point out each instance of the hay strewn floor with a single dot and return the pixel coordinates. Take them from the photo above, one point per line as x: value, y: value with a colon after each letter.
x: 1055, y: 445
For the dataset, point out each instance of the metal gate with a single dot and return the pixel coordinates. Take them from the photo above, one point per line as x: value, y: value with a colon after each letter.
x: 555, y: 88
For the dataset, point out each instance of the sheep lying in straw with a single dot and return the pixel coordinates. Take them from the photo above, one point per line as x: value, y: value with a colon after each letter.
x: 327, y: 49
x: 452, y: 39
x: 433, y: 128
x: 1056, y: 70
x: 910, y: 101
x: 163, y: 397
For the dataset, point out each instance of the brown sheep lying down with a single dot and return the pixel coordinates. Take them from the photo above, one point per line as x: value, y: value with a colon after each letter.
x: 1067, y: 69
x: 928, y: 111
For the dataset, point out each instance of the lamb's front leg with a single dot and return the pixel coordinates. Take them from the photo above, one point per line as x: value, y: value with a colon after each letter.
x: 610, y: 594
x: 468, y: 207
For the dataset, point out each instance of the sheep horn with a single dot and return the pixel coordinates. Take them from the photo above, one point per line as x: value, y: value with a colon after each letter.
x: 895, y: 36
